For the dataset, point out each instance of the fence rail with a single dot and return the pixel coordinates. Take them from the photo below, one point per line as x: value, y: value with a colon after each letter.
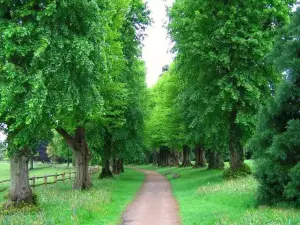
x: 57, y: 177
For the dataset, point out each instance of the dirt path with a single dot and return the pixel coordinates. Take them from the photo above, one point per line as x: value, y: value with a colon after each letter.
x: 154, y: 204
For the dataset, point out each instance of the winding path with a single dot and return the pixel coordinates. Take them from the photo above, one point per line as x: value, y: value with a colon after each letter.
x: 154, y: 204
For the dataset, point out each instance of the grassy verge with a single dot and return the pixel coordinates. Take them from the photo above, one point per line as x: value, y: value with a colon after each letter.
x: 205, y: 198
x: 102, y: 204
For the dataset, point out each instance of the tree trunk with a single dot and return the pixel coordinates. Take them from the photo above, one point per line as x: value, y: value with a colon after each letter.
x: 31, y: 163
x: 235, y: 148
x: 155, y: 158
x: 106, y: 173
x: 68, y: 161
x: 200, y: 157
x: 82, y: 154
x: 82, y: 157
x: 176, y: 158
x: 147, y: 158
x: 121, y: 166
x: 116, y: 167
x: 180, y: 156
x: 186, y: 156
x: 20, y: 191
x: 215, y: 160
x: 73, y: 159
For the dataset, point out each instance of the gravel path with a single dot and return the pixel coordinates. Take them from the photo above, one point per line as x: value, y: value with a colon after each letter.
x: 154, y: 204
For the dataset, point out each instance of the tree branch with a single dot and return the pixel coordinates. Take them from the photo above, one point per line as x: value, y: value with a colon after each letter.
x: 68, y: 138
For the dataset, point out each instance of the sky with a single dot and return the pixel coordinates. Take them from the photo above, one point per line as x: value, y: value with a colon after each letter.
x: 157, y: 45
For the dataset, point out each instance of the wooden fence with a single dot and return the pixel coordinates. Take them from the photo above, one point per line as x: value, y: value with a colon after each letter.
x: 56, y: 178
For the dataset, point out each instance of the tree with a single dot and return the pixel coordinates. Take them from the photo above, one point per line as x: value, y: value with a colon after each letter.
x: 22, y: 90
x: 221, y: 48
x: 123, y: 96
x: 75, y: 73
x: 276, y: 142
x: 163, y: 127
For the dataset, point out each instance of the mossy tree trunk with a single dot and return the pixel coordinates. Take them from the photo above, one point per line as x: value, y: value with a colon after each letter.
x: 20, y: 191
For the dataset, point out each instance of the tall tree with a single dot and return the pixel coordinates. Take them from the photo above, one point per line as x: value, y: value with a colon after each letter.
x: 221, y: 48
x: 276, y: 142
x: 22, y: 90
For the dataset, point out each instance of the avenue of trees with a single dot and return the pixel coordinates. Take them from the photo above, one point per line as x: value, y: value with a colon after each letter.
x: 71, y: 68
x: 71, y: 76
x: 232, y: 92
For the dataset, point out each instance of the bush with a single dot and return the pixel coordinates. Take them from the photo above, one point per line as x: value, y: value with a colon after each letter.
x: 241, y: 172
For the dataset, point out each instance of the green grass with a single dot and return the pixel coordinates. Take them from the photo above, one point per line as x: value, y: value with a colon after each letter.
x: 104, y: 203
x: 204, y: 197
x: 40, y: 169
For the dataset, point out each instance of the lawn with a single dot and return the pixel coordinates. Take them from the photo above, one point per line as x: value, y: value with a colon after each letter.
x: 204, y: 197
x: 40, y: 169
x: 103, y: 204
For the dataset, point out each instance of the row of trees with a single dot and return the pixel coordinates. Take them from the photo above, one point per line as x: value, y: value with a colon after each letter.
x: 71, y: 68
x: 209, y: 98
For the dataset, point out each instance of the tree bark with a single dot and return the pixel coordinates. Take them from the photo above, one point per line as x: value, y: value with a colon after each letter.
x: 147, y: 158
x: 106, y: 173
x: 215, y: 160
x: 121, y: 166
x: 176, y: 158
x: 235, y: 148
x: 116, y: 167
x: 155, y: 158
x: 200, y: 157
x: 20, y: 191
x: 82, y: 156
x: 186, y: 156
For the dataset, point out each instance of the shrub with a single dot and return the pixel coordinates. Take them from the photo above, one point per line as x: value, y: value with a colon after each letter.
x: 241, y: 172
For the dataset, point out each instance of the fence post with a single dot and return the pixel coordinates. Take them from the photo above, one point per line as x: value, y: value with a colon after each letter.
x: 45, y: 180
x: 63, y: 176
x: 33, y: 181
x: 70, y: 175
x: 55, y: 178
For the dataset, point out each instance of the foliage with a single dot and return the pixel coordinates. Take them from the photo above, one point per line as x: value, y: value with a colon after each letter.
x: 163, y: 126
x: 58, y: 148
x: 221, y: 65
x: 275, y: 144
x: 22, y: 89
x: 124, y: 92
